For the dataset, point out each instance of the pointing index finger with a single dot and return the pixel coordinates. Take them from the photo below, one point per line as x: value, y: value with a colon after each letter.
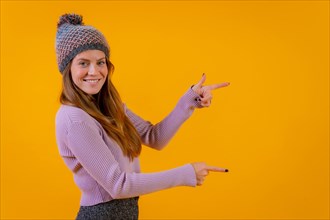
x: 217, y: 86
x: 216, y: 169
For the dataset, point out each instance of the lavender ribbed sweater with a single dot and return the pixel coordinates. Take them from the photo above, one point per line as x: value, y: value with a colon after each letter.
x: 100, y: 169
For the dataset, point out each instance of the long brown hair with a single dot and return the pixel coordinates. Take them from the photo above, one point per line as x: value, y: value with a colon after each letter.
x: 107, y: 108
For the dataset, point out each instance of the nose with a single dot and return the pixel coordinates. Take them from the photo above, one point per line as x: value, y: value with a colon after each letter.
x: 92, y: 69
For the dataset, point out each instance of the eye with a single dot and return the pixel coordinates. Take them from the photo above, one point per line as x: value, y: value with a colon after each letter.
x: 101, y: 63
x: 83, y: 64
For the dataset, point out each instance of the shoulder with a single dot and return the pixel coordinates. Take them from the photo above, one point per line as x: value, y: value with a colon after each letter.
x: 67, y: 116
x: 72, y: 114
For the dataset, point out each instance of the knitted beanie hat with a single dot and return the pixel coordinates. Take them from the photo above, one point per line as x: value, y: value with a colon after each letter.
x: 73, y: 37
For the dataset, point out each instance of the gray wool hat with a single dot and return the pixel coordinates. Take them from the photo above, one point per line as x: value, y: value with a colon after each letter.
x: 73, y: 37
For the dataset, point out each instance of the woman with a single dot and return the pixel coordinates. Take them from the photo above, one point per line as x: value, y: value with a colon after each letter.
x: 100, y: 139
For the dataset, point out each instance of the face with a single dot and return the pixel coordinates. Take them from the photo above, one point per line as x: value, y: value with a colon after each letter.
x: 89, y: 71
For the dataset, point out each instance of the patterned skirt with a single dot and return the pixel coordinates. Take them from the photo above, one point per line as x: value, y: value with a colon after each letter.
x: 117, y: 209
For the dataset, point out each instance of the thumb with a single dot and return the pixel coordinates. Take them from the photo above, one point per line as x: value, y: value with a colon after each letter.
x: 201, y: 81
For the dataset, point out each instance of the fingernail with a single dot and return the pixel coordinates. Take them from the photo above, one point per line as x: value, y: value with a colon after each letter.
x: 203, y: 74
x: 226, y: 170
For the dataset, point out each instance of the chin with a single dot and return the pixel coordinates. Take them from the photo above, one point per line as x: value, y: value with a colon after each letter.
x: 92, y: 92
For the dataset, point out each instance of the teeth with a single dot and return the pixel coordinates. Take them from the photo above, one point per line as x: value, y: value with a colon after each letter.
x: 91, y: 80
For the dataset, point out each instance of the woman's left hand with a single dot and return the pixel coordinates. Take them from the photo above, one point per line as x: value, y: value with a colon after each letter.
x: 205, y: 91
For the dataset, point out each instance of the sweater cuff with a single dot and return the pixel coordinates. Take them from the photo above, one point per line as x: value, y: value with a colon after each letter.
x: 189, y: 175
x: 190, y: 100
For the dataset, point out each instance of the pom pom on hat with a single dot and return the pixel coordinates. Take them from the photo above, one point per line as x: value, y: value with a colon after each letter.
x: 73, y: 19
x: 73, y: 37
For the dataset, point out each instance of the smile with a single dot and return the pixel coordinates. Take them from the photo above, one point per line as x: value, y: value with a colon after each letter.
x: 91, y: 80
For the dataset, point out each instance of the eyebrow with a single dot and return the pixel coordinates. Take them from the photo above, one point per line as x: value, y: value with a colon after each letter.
x: 84, y: 59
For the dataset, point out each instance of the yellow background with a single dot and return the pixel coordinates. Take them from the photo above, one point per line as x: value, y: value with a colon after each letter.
x: 270, y: 127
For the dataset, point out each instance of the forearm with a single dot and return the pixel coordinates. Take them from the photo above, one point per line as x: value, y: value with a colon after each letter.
x: 158, y: 135
x: 137, y: 184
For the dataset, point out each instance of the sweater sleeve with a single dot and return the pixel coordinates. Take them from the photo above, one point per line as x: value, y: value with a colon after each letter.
x: 157, y: 136
x: 91, y: 151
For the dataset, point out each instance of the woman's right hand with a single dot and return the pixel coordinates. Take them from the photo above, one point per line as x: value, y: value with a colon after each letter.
x: 202, y: 170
